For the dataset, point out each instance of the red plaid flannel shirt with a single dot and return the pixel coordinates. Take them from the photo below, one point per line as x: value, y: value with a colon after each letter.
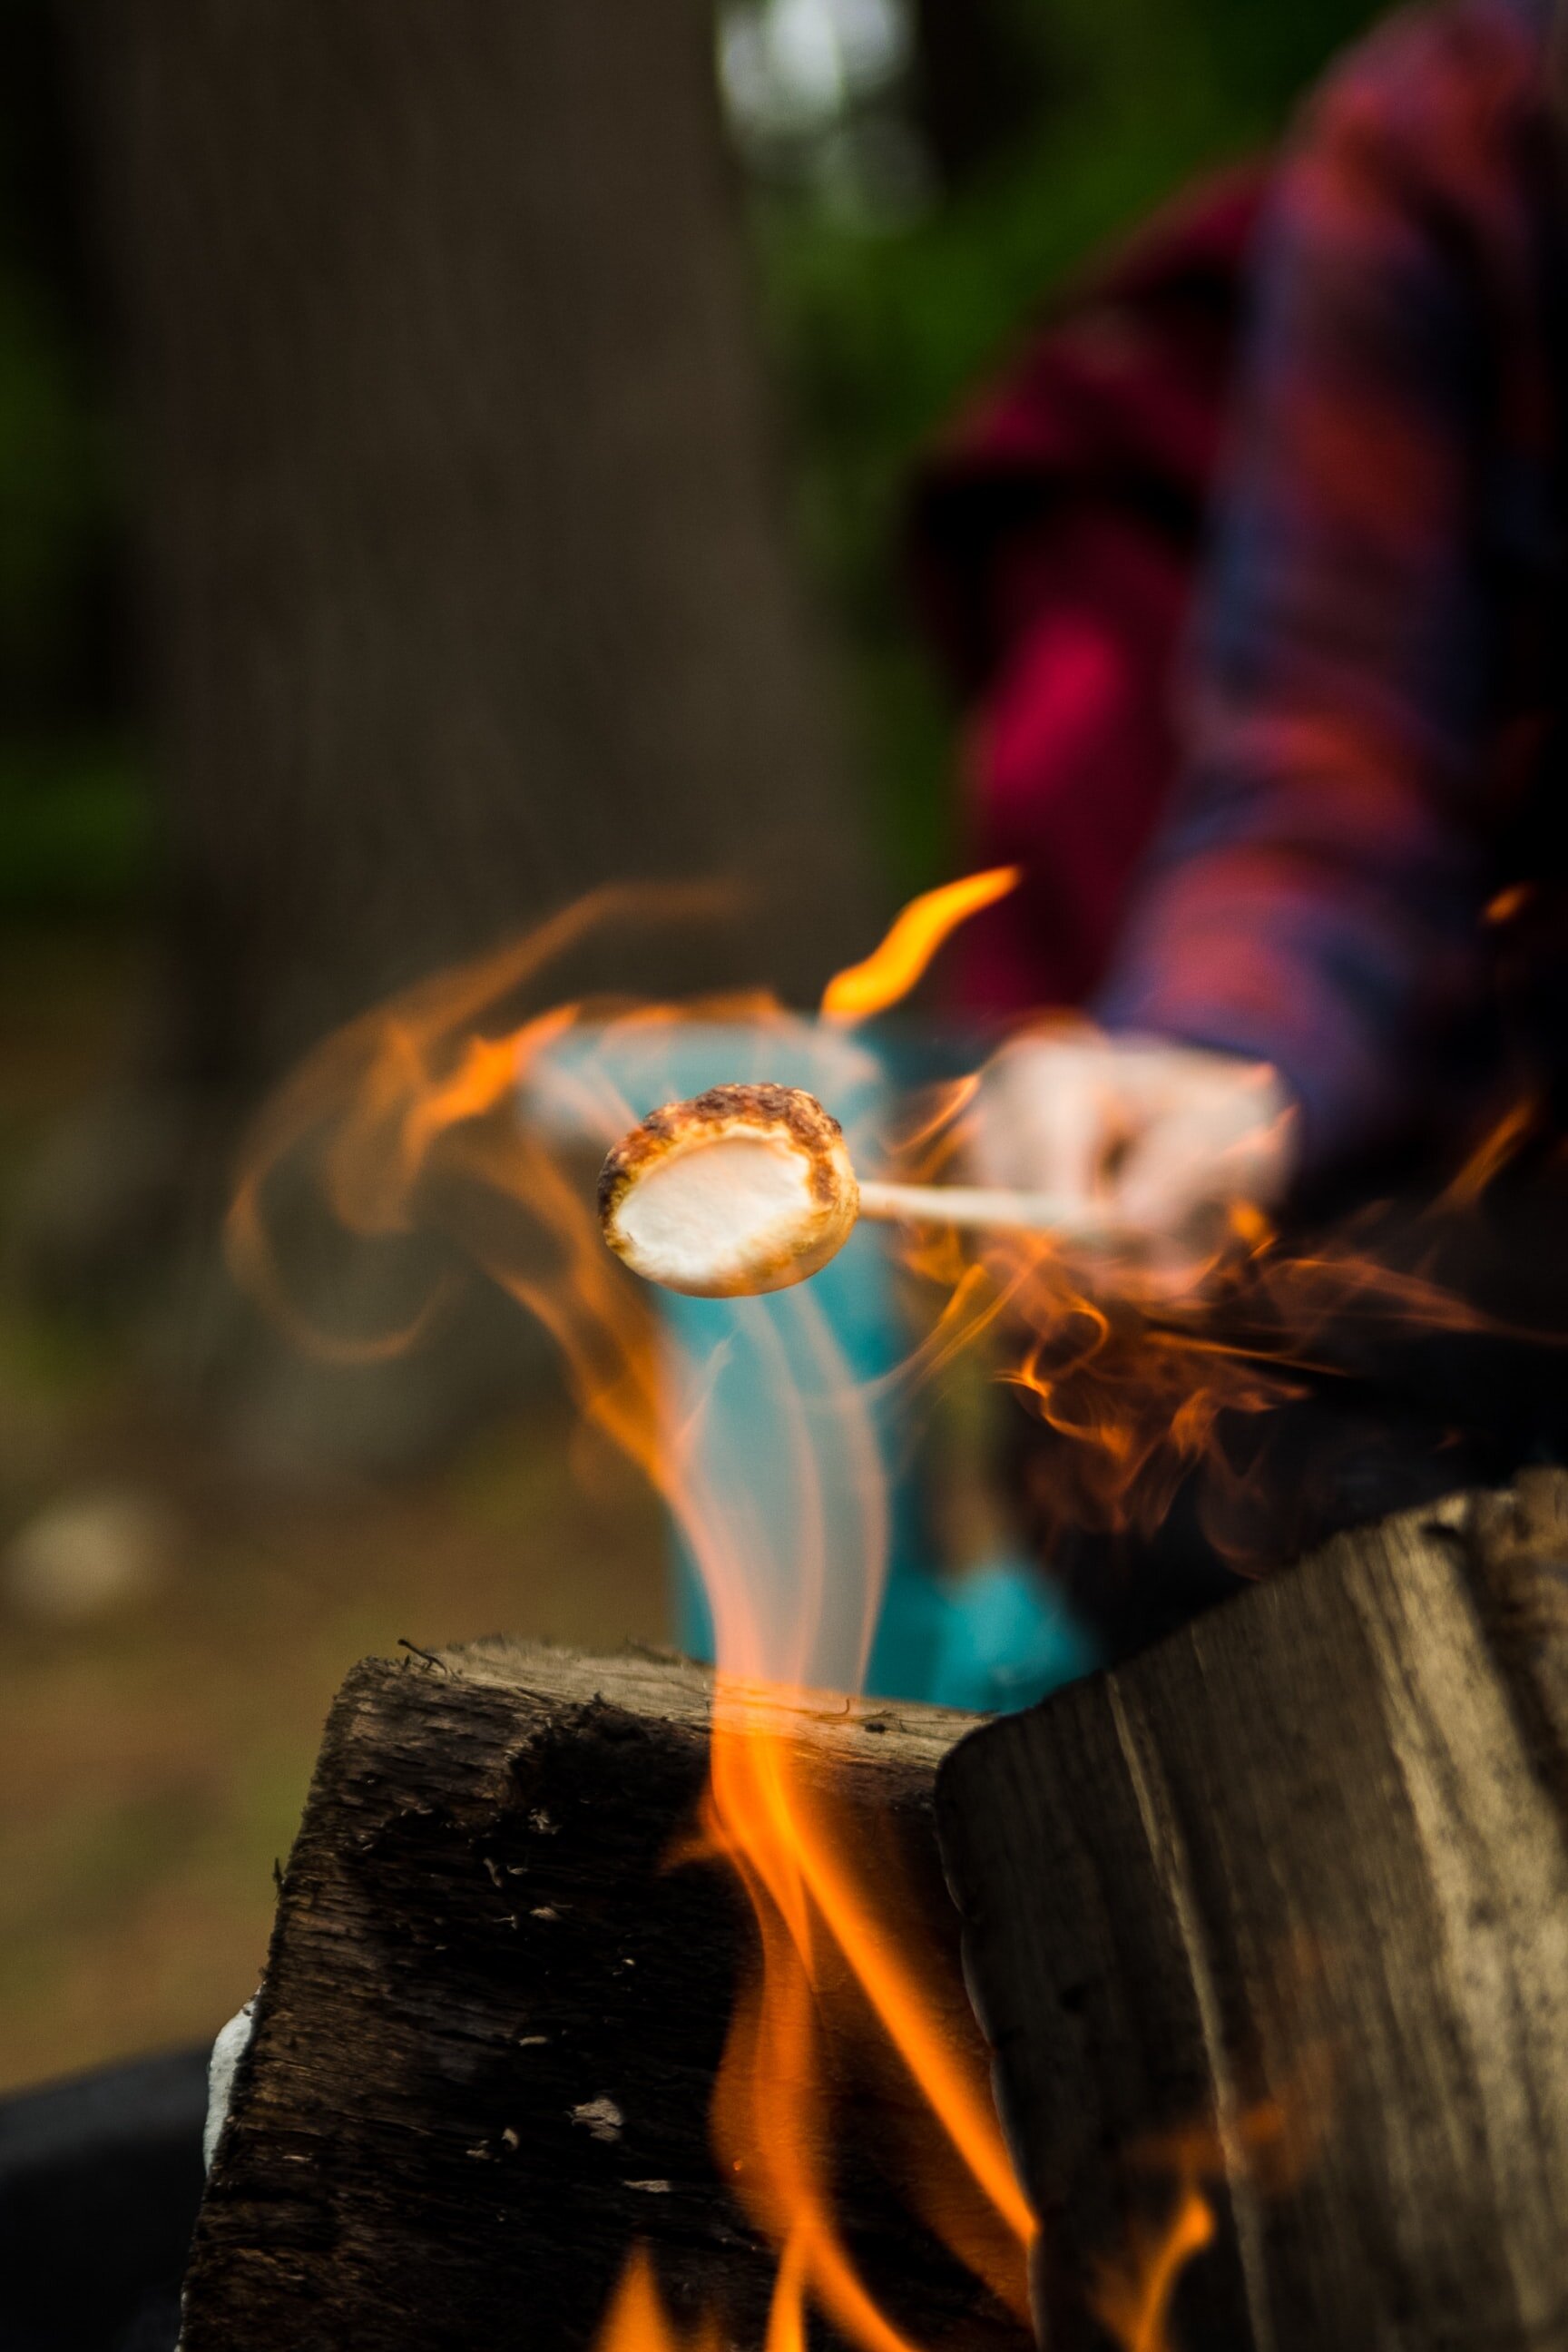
x: 1380, y: 646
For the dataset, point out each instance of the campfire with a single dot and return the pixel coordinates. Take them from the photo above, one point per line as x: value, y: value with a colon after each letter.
x: 1165, y: 1959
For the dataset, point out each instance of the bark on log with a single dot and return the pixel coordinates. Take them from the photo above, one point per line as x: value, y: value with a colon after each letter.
x: 493, y: 2016
x: 1310, y: 1848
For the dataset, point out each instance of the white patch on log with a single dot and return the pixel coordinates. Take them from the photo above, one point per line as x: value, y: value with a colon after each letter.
x: 227, y: 2051
x: 602, y: 2117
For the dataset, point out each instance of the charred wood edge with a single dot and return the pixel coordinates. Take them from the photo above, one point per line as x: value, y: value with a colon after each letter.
x: 1514, y: 1548
x: 642, y: 1677
x: 297, y: 2236
x: 665, y: 1684
x: 645, y: 1679
x: 1351, y: 1746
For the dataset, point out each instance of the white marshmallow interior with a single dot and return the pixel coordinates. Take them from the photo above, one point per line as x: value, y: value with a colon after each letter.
x: 711, y: 1213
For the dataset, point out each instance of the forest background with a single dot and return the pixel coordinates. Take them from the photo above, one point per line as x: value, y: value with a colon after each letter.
x: 916, y: 178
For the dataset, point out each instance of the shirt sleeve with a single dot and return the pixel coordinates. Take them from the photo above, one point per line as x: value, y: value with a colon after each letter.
x: 1315, y: 899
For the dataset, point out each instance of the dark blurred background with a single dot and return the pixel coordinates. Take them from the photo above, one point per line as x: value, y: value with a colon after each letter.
x: 447, y: 458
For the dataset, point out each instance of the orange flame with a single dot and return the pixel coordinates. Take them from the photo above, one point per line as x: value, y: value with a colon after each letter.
x: 1508, y: 903
x: 637, y: 2321
x: 407, y: 1120
x: 816, y: 1917
x: 406, y: 1117
x: 1146, y: 1381
x: 1272, y: 2141
x: 1492, y: 1154
x: 893, y: 968
x: 1135, y: 2305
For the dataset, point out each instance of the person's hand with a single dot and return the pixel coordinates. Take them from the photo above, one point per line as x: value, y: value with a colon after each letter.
x: 1161, y: 1141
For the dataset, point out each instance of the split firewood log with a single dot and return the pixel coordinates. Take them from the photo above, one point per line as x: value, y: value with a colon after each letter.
x: 494, y: 2009
x: 1269, y: 1931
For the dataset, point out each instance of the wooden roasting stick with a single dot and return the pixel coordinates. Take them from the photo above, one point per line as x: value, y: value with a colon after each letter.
x: 1286, y: 1897
x: 493, y: 2012
x: 749, y: 1189
x: 974, y: 1208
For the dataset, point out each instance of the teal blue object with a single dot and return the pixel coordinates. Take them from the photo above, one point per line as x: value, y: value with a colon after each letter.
x: 996, y: 1638
x: 1003, y: 1640
x: 855, y: 1294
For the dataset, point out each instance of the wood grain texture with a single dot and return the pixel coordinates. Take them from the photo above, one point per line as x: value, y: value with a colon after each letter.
x: 1311, y: 1850
x: 493, y: 2013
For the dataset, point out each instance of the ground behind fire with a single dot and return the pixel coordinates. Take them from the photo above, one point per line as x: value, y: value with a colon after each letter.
x: 153, y: 1758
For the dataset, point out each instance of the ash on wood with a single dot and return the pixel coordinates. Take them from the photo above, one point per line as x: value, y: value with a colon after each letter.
x: 493, y: 2013
x: 1310, y: 1851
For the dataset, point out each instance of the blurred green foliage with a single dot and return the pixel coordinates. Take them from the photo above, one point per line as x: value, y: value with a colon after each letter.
x: 876, y: 326
x: 76, y: 824
x: 53, y: 497
x: 880, y: 331
x: 73, y: 800
x: 74, y: 804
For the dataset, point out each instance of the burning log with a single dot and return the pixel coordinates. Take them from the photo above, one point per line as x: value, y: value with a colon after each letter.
x: 1269, y: 1930
x: 498, y: 1989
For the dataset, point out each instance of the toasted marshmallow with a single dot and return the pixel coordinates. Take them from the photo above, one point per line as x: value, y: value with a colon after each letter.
x: 747, y: 1189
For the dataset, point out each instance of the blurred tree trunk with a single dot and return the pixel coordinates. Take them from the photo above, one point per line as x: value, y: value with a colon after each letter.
x: 469, y: 588
x: 982, y: 81
x: 468, y: 582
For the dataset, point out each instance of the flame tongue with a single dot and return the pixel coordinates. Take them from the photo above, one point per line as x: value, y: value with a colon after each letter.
x: 895, y: 967
x: 409, y: 1113
x: 636, y: 2322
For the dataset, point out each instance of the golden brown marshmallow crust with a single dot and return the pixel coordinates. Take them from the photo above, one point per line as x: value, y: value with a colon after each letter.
x: 786, y: 1114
